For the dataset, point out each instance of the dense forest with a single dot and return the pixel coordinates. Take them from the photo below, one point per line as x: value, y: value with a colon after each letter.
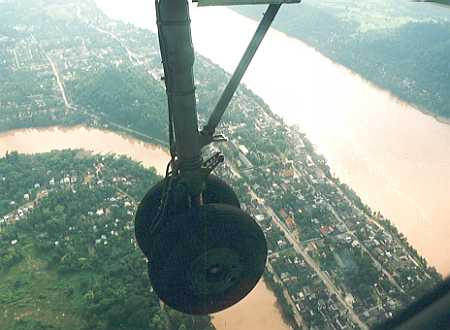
x: 125, y: 95
x: 401, y: 46
x: 69, y: 260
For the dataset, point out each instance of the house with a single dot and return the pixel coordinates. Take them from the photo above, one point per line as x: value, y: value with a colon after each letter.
x: 325, y: 230
x: 259, y: 217
x: 290, y: 222
x: 283, y: 213
x: 43, y: 193
x: 340, y: 323
x: 281, y: 244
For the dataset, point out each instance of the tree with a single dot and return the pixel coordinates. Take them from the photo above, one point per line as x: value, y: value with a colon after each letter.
x: 157, y: 323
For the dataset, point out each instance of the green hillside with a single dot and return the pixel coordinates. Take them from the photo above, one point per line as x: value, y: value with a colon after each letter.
x: 401, y: 46
x: 125, y: 95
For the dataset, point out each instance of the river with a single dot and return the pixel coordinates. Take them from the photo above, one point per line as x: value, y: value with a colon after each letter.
x: 31, y: 141
x: 241, y: 316
x: 394, y: 156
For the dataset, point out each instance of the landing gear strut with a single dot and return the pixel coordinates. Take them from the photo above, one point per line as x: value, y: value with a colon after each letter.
x: 204, y: 253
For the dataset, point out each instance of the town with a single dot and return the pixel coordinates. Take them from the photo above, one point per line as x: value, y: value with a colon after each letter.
x: 333, y: 262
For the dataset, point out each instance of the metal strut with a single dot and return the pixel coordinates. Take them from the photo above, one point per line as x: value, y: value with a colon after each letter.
x: 207, y: 133
x: 177, y: 55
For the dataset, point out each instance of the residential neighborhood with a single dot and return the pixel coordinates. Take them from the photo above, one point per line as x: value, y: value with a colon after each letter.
x: 333, y: 262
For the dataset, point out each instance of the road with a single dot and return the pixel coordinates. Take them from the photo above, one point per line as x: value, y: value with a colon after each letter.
x: 325, y: 279
x: 375, y: 261
x: 16, y: 59
x: 11, y: 215
x: 60, y: 83
x: 55, y: 72
x: 131, y: 56
x: 374, y: 221
x: 58, y: 80
x: 389, y: 276
x: 298, y: 318
x: 351, y: 233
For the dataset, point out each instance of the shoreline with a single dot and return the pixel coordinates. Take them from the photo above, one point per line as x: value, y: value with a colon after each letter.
x: 240, y: 316
x: 87, y: 126
x: 262, y: 291
x: 124, y: 133
x: 118, y: 142
x: 415, y: 106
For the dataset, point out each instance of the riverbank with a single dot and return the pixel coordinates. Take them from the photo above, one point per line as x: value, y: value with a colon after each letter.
x: 359, y: 43
x: 259, y: 310
x: 304, y: 192
x: 394, y: 156
x: 39, y: 140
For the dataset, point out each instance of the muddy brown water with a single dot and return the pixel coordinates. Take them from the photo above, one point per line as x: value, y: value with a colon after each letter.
x: 257, y: 311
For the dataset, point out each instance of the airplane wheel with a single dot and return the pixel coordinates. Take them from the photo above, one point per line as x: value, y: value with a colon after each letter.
x: 207, y: 259
x: 217, y: 191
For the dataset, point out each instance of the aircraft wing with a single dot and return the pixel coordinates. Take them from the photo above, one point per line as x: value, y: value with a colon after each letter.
x: 438, y: 2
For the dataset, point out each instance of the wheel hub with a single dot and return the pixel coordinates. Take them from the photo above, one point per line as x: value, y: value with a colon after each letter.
x: 215, y: 271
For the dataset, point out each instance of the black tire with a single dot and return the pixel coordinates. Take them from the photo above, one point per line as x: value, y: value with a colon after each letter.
x: 217, y: 191
x: 207, y: 259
